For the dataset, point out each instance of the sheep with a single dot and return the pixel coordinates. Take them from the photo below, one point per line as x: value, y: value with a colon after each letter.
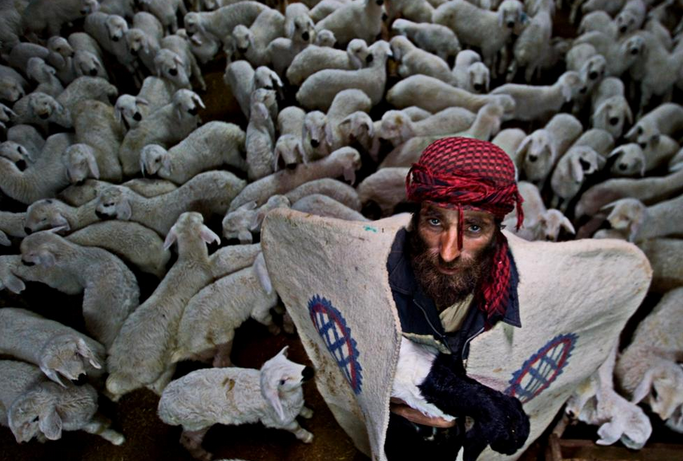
x: 260, y: 135
x: 10, y: 24
x: 318, y: 91
x: 540, y: 223
x: 12, y: 85
x: 167, y: 126
x: 420, y: 91
x: 584, y: 157
x: 28, y: 137
x: 289, y: 149
x: 631, y: 17
x: 81, y: 163
x: 610, y: 109
x: 85, y: 88
x: 46, y: 17
x: 541, y: 150
x: 79, y: 194
x: 642, y: 223
x: 140, y: 353
x: 17, y: 154
x: 314, y: 136
x: 175, y: 62
x: 205, y: 47
x: 590, y: 66
x: 413, y: 60
x: 509, y: 140
x: 252, y: 42
x: 157, y: 92
x: 243, y: 80
x: 59, y: 351
x: 232, y: 258
x: 34, y: 406
x: 109, y: 32
x: 40, y: 109
x: 300, y: 35
x: 433, y: 38
x: 467, y: 21
x: 206, y: 148
x: 11, y: 225
x: 209, y: 192
x: 354, y: 20
x: 486, y: 124
x: 87, y: 59
x: 344, y: 161
x: 222, y: 21
x: 246, y: 219
x: 322, y: 205
x: 385, y: 188
x: 6, y: 114
x: 532, y: 44
x: 325, y: 38
x: 37, y: 70
x: 632, y: 159
x: 541, y: 102
x: 52, y: 213
x: 110, y: 290
x: 207, y: 327
x: 469, y: 73
x: 595, y: 402
x: 166, y: 12
x: 13, y: 273
x: 620, y: 55
x: 661, y: 71
x: 340, y: 115
x: 665, y: 119
x: 271, y: 395
x: 144, y: 37
x: 130, y: 110
x: 647, y: 370
x: 598, y: 21
x: 315, y: 58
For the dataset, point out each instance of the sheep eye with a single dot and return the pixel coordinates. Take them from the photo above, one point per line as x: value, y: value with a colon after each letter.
x: 35, y: 420
x: 282, y: 382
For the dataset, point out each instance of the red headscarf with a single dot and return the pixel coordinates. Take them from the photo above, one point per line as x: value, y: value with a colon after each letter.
x: 478, y: 175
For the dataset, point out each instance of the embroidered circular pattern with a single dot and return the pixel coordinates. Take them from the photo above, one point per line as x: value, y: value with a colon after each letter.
x: 542, y: 368
x: 332, y: 328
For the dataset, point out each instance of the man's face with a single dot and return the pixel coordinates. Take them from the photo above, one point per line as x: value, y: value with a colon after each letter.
x: 448, y: 274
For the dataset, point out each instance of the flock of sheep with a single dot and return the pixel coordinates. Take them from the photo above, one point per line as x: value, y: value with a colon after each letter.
x: 597, y: 154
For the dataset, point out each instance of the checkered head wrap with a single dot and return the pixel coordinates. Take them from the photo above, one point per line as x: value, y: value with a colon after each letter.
x: 466, y: 173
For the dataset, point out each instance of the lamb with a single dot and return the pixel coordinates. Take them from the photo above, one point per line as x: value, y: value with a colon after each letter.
x: 342, y: 113
x: 40, y: 109
x: 46, y: 177
x: 665, y: 119
x: 319, y: 90
x: 354, y: 20
x: 314, y: 138
x: 413, y: 60
x: 661, y: 71
x: 325, y: 38
x: 46, y: 17
x: 52, y: 213
x: 13, y: 273
x: 598, y: 21
x: 222, y: 21
x: 59, y: 351
x: 246, y: 219
x: 631, y: 17
x: 344, y: 161
x: 206, y: 46
x: 610, y: 109
x: 595, y: 402
x: 385, y: 188
x: 110, y: 290
x: 467, y: 21
x: 591, y: 66
x: 207, y: 327
x: 289, y: 149
x: 12, y: 85
x: 157, y: 92
x: 533, y: 44
x: 433, y: 38
x: 315, y: 58
x: 322, y: 205
x: 209, y: 193
x: 34, y: 406
x: 647, y: 368
x: 85, y: 88
x: 260, y: 136
x: 642, y: 223
x: 6, y: 114
x: 419, y: 90
x: 28, y: 137
x: 243, y: 81
x: 620, y: 55
x: 202, y: 398
x: 166, y: 126
x: 37, y: 70
x: 282, y: 51
x: 341, y: 192
x: 140, y: 353
x: 87, y: 59
x: 143, y: 39
x: 585, y: 157
x: 509, y: 140
x: 11, y: 225
x: 469, y: 73
x: 81, y: 163
x: 130, y: 110
x: 17, y: 154
x: 632, y: 159
x: 540, y: 151
x: 252, y: 42
x: 176, y: 63
x: 109, y: 32
x: 206, y: 148
x: 166, y: 12
x: 541, y: 102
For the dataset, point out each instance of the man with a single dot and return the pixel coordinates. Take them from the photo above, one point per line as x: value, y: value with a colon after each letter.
x: 453, y: 277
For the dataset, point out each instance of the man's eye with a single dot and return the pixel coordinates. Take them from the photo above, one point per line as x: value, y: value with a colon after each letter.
x: 474, y: 228
x: 434, y: 222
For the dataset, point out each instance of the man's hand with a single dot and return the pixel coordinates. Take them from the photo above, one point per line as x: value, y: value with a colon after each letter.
x: 400, y: 408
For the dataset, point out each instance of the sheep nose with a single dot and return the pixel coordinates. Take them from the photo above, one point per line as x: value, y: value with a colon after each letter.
x: 291, y: 166
x: 369, y: 59
x: 511, y: 24
x: 315, y: 143
x: 593, y: 75
x: 583, y: 90
x: 27, y: 230
x: 634, y: 51
x: 137, y: 117
x: 173, y: 72
x: 307, y: 373
x: 623, y: 29
x: 82, y: 379
x: 533, y: 158
x: 193, y: 111
x: 133, y: 51
x: 549, y: 238
x: 384, y: 17
x: 642, y: 145
x: 21, y: 165
x: 27, y: 263
x: 102, y: 215
x: 305, y: 36
x: 380, y: 2
x: 613, y: 121
x: 115, y: 38
x: 623, y: 166
x: 93, y: 72
x: 44, y: 116
x: 84, y: 12
x: 478, y: 87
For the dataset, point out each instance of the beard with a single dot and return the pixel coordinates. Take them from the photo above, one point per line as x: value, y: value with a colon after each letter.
x: 445, y: 290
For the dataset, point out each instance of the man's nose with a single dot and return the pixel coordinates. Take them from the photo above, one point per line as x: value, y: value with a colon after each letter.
x: 449, y: 245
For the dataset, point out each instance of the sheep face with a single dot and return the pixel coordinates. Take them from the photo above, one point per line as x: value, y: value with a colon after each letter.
x: 633, y: 49
x: 479, y: 77
x: 44, y: 106
x: 612, y: 115
x: 267, y: 79
x: 301, y: 30
x: 10, y: 91
x: 325, y: 38
x: 45, y: 214
x: 87, y: 64
x: 594, y: 70
x: 192, y: 23
x: 540, y: 156
x: 67, y: 355
x: 171, y: 66
x: 60, y: 45
x: 16, y: 153
x: 190, y: 224
x: 395, y: 127
x: 187, y: 103
x: 112, y: 204
x: 154, y: 159
x: 510, y: 15
x: 239, y: 223
x: 280, y: 378
x: 664, y: 386
x: 627, y: 22
x: 314, y: 133
x: 40, y: 249
x: 630, y: 160
x: 358, y: 53
x: 136, y: 41
x: 552, y: 222
x: 89, y: 6
x: 80, y: 163
x: 288, y: 152
x: 128, y: 110
x: 27, y: 419
x: 116, y: 27
x: 244, y: 38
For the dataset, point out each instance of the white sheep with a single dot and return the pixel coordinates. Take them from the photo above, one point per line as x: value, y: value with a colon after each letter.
x: 207, y: 327
x: 661, y: 71
x: 272, y: 396
x: 542, y: 149
x: 595, y: 402
x: 610, y: 109
x: 45, y: 76
x: 252, y: 42
x: 40, y: 109
x: 246, y: 219
x: 300, y: 33
x: 13, y: 86
x: 167, y: 126
x: 52, y: 213
x: 314, y: 137
x: 398, y: 127
x: 28, y: 137
x: 289, y: 148
x: 413, y: 60
x: 17, y: 154
x: 166, y: 12
x: 85, y: 88
x: 206, y: 148
x: 620, y: 55
x: 130, y: 110
x: 342, y: 115
x: 434, y: 38
x: 362, y: 19
x: 487, y: 123
x: 88, y: 58
x: 319, y: 90
x: 243, y: 80
x: 33, y: 406
x: 647, y: 369
x: 175, y: 62
x: 59, y: 351
x: 144, y: 37
x: 11, y: 225
x: 315, y: 58
x: 222, y: 21
x: 509, y: 140
x: 631, y: 17
x: 597, y: 21
x: 140, y: 354
x: 540, y: 102
x: 342, y: 162
x: 469, y: 73
x: 632, y: 159
x: 640, y: 222
x: 385, y: 188
x: 157, y: 92
x: 210, y: 193
x: 109, y: 32
x: 337, y: 190
x: 468, y: 20
x: 533, y: 43
x: 665, y: 119
x: 260, y: 135
x: 205, y: 47
x: 420, y: 11
x: 46, y: 17
x: 325, y: 38
x: 110, y: 290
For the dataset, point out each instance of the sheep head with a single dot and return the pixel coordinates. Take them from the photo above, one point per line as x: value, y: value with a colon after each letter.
x: 67, y: 355
x: 112, y: 203
x: 79, y: 160
x: 281, y: 378
x: 154, y: 159
x: 46, y: 214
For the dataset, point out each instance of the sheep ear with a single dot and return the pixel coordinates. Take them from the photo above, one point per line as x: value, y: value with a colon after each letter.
x: 641, y: 160
x: 576, y: 170
x: 166, y: 163
x: 209, y: 236
x: 523, y: 146
x: 277, y: 152
x: 610, y: 205
x: 567, y: 225
x: 262, y: 273
x: 245, y: 237
x: 118, y: 116
x: 13, y: 283
x: 289, y: 29
x: 329, y: 134
x: 198, y: 100
x: 500, y: 17
x: 631, y: 133
x: 270, y: 393
x: 123, y: 210
x: 629, y: 114
x: 177, y: 59
x: 143, y: 101
x: 87, y: 353
x: 277, y: 80
x: 171, y: 238
x: 51, y: 424
x: 615, y: 152
x: 643, y: 388
x: 52, y: 375
x: 566, y: 91
x: 92, y: 166
x: 302, y: 152
x: 47, y: 259
x: 256, y: 220
x: 4, y: 240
